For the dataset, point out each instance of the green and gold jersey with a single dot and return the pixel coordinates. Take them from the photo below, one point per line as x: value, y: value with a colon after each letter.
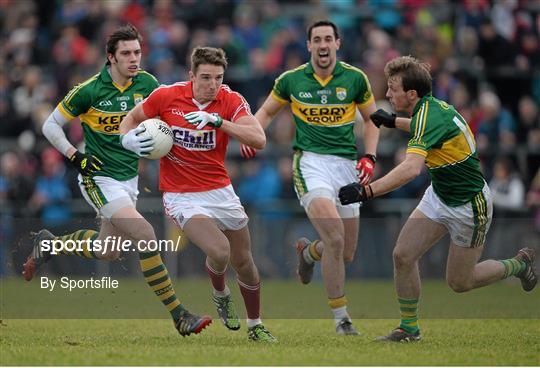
x: 442, y: 136
x: 101, y: 105
x: 324, y: 110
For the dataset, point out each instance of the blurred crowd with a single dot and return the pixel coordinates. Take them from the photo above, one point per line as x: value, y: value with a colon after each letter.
x: 484, y: 56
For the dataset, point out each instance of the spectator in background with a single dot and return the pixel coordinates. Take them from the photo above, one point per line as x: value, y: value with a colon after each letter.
x: 528, y: 122
x: 506, y: 186
x: 460, y: 98
x: 27, y: 97
x: 261, y: 183
x: 495, y: 50
x: 9, y: 127
x: 497, y: 126
x: 233, y: 46
x: 52, y: 191
x: 533, y: 200
x: 15, y: 187
x: 246, y: 27
x: 529, y: 53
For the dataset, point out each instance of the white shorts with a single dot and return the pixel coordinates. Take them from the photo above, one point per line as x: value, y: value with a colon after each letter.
x: 317, y: 176
x: 107, y: 195
x: 467, y: 224
x: 222, y: 205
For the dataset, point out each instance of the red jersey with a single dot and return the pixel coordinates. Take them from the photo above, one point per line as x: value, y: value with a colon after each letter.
x: 196, y: 162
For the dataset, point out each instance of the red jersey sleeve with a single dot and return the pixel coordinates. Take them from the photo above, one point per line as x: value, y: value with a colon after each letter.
x: 237, y: 106
x: 152, y: 104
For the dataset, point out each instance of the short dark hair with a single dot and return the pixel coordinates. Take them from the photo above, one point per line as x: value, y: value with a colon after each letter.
x: 414, y: 74
x: 323, y: 23
x: 127, y: 32
x: 207, y: 55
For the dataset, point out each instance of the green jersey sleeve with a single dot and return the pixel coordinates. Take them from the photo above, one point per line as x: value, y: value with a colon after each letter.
x: 427, y: 131
x: 365, y: 94
x: 77, y: 101
x: 281, y: 91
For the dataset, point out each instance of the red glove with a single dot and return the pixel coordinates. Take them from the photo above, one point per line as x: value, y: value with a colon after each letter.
x: 247, y: 152
x: 365, y: 167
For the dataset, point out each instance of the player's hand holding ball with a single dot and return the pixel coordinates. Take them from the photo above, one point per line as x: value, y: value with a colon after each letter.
x: 136, y: 142
x: 381, y: 117
x: 247, y: 152
x: 202, y: 119
x: 366, y: 168
x: 355, y: 192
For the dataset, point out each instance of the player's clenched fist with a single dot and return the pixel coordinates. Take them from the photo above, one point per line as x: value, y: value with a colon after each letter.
x: 202, y: 119
x: 85, y: 164
x: 246, y: 151
x: 381, y: 117
x: 355, y: 192
x: 366, y: 167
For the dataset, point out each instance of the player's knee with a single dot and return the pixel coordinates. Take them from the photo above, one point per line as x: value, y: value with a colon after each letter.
x: 348, y: 258
x: 220, y: 254
x: 335, y: 242
x: 459, y: 286
x: 402, y: 259
x: 242, y: 262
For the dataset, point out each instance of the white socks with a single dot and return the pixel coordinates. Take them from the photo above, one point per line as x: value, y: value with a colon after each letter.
x: 221, y: 294
x: 340, y: 313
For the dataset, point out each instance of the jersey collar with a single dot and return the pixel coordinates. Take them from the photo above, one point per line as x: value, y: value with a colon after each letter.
x: 420, y: 103
x: 338, y: 69
x: 105, y: 76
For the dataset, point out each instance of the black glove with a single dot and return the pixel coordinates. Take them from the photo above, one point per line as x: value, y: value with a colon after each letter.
x: 355, y: 192
x: 86, y: 164
x: 381, y: 117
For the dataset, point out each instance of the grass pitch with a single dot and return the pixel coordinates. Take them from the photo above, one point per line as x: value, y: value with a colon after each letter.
x: 452, y: 328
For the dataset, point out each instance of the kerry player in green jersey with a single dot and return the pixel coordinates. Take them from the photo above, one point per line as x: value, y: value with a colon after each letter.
x: 108, y: 172
x: 458, y: 201
x: 324, y: 95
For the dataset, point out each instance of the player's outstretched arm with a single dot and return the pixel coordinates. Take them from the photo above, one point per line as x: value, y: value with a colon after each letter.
x: 390, y: 120
x: 366, y: 164
x: 52, y: 130
x: 268, y: 111
x: 264, y: 117
x: 403, y: 124
x: 247, y: 131
x: 85, y: 164
x: 400, y: 175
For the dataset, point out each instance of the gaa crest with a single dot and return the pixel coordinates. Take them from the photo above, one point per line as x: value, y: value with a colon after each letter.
x: 341, y: 93
x: 137, y: 98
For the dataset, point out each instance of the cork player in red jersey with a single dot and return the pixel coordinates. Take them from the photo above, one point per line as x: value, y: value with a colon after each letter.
x: 197, y: 192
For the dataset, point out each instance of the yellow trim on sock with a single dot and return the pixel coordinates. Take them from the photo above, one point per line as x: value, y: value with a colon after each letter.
x: 152, y: 262
x: 87, y: 253
x: 156, y: 276
x: 167, y: 295
x: 313, y: 250
x: 163, y: 285
x: 173, y: 305
x: 337, y: 302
